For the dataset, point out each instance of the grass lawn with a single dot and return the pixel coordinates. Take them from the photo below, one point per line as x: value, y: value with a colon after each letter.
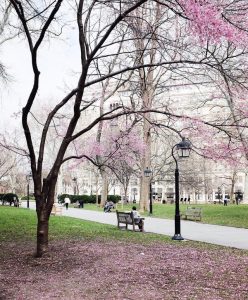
x: 231, y: 215
x: 94, y: 261
x: 20, y: 224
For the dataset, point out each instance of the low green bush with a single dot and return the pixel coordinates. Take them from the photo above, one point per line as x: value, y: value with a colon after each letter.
x: 114, y: 198
x: 8, y: 197
x: 75, y: 198
x: 87, y: 198
x: 26, y: 197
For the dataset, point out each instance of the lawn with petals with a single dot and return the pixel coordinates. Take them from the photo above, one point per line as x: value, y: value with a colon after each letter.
x: 89, y: 261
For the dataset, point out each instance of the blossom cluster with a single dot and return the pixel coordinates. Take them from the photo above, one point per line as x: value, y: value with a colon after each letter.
x: 209, y: 20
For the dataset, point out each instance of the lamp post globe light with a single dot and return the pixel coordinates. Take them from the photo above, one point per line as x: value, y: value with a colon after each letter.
x: 148, y: 173
x: 183, y: 149
x: 28, y: 178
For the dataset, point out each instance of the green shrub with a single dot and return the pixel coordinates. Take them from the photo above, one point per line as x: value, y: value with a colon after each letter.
x: 26, y: 197
x: 8, y: 197
x: 114, y: 198
x: 75, y: 198
x: 87, y: 198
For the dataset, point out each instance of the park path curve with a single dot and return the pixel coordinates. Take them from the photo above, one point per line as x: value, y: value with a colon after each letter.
x: 214, y: 234
x: 195, y: 231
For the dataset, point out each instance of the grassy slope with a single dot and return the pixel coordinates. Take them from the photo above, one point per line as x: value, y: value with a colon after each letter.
x: 20, y: 224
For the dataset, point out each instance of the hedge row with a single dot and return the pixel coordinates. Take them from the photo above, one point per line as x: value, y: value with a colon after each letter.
x: 26, y: 197
x: 74, y: 198
x: 87, y: 198
x: 8, y: 197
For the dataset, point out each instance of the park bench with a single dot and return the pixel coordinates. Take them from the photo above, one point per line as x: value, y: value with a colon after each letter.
x: 127, y: 219
x: 76, y: 205
x: 56, y: 210
x: 192, y: 213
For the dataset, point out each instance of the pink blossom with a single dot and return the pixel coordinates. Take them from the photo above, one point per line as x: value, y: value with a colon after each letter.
x: 118, y: 143
x: 208, y: 23
x: 212, y: 143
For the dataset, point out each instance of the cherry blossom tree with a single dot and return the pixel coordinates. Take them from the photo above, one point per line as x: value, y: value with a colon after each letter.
x: 99, y: 25
x: 217, y: 32
x: 123, y: 159
x: 120, y: 149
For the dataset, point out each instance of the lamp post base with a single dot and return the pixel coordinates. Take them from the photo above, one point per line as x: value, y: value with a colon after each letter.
x: 177, y: 237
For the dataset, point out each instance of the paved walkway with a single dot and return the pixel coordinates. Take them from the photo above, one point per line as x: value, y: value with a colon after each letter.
x: 195, y: 231
x: 214, y: 234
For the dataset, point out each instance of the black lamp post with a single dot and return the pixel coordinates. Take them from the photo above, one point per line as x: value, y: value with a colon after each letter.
x: 28, y: 178
x: 148, y: 173
x: 183, y: 148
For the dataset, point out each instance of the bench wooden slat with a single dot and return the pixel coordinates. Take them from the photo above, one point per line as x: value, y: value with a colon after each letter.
x: 193, y: 213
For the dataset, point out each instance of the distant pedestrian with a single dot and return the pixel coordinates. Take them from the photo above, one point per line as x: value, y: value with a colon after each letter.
x: 67, y: 202
x: 188, y: 200
x: 181, y: 200
x: 225, y: 201
x: 185, y: 200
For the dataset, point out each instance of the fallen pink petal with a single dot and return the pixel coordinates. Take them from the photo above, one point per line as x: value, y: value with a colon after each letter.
x: 122, y: 270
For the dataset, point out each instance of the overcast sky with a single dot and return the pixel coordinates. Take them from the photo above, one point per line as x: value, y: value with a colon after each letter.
x: 57, y: 62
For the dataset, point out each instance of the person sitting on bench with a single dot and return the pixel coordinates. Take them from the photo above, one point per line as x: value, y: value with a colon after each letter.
x: 137, y: 218
x: 108, y: 206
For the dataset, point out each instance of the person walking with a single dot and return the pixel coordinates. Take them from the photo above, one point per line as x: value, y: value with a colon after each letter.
x: 225, y: 201
x: 67, y: 202
x: 81, y: 203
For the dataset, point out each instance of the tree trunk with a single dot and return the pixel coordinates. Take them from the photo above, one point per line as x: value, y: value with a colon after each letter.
x: 144, y: 192
x: 43, y: 209
x: 42, y: 233
x: 145, y: 163
x: 147, y: 86
x: 232, y: 198
x: 125, y: 194
x: 97, y: 204
x: 104, y: 193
